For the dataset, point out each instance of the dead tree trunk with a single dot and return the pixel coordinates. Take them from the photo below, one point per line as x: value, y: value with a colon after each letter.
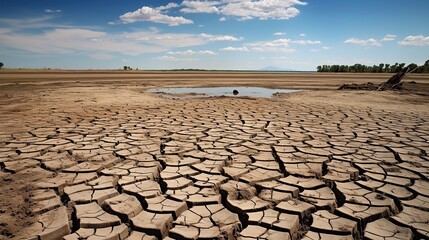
x: 394, y: 82
x: 395, y: 79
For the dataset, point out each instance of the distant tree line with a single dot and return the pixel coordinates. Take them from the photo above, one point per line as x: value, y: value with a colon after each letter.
x: 1, y: 65
x: 381, y: 68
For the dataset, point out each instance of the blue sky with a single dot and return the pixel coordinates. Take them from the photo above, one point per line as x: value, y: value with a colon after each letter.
x: 211, y: 34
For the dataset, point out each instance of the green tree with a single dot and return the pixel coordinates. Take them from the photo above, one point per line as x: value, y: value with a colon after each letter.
x: 344, y: 68
x: 325, y: 68
x: 394, y: 67
x: 1, y: 65
x: 386, y: 67
x: 359, y: 67
x: 380, y: 68
x: 425, y: 67
x: 412, y: 66
x: 334, y: 68
x: 400, y: 67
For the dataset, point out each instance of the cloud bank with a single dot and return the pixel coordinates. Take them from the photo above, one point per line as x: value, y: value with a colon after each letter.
x: 417, y: 41
x: 157, y: 15
x: 239, y: 9
x: 368, y: 42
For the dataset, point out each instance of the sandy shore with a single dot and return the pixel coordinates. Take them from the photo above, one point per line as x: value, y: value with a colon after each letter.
x: 86, y: 153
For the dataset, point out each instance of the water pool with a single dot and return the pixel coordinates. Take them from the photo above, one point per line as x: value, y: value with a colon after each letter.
x: 222, y: 91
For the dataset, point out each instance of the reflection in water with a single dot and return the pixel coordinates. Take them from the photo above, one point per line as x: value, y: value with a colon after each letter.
x: 223, y: 91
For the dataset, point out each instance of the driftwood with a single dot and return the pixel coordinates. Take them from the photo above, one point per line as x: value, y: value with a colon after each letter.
x: 393, y: 83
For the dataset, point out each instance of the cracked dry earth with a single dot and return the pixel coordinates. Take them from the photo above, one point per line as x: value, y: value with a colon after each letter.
x: 220, y: 168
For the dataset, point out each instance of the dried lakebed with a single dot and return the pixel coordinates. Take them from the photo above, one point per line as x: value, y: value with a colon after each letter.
x: 221, y: 91
x: 223, y: 169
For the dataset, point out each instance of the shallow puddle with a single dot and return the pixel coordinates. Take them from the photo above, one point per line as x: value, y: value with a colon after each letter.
x: 222, y: 91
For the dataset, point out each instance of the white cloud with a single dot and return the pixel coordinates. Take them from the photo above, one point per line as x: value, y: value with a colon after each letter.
x: 318, y: 50
x: 263, y: 9
x: 302, y: 35
x: 245, y: 9
x: 33, y: 23
x: 63, y: 39
x: 98, y: 44
x: 52, y: 11
x: 245, y: 18
x: 279, y: 45
x: 279, y: 33
x: 171, y: 58
x: 369, y: 42
x: 103, y: 45
x: 166, y: 58
x: 235, y: 49
x: 56, y: 41
x: 191, y: 52
x: 210, y: 37
x: 168, y: 6
x: 418, y: 40
x: 192, y: 6
x: 305, y: 42
x: 148, y: 14
x: 389, y: 37
x: 242, y: 10
x: 165, y: 40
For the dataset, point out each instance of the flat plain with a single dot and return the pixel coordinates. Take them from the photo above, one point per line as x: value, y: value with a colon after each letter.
x: 94, y: 155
